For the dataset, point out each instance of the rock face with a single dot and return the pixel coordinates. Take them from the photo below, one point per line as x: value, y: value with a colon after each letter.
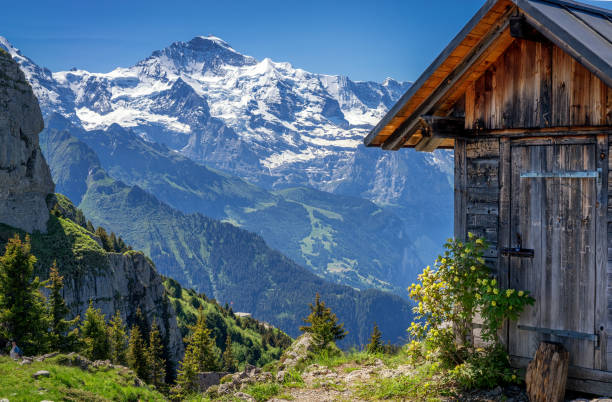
x: 129, y: 282
x: 123, y: 282
x: 25, y: 178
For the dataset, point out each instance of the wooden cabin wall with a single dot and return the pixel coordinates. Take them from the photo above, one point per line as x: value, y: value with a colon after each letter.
x: 537, y: 85
x: 609, y: 267
x: 477, y: 192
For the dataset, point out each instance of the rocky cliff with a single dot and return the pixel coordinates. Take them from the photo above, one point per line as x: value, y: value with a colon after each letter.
x: 120, y: 282
x: 130, y: 282
x: 25, y: 179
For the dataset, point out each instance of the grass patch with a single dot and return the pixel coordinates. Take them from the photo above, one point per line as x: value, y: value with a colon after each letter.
x: 263, y: 392
x: 293, y: 379
x: 426, y: 383
x: 69, y: 384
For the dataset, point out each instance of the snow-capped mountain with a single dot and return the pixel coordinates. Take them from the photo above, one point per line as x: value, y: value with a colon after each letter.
x: 268, y: 122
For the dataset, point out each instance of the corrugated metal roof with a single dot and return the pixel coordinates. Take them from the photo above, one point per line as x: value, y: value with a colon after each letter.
x: 583, y: 31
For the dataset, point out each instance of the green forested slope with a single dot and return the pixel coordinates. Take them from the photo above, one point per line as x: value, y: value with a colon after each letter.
x: 231, y: 264
x: 220, y: 259
x: 330, y: 234
x: 252, y: 341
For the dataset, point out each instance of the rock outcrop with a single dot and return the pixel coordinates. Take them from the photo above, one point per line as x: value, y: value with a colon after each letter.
x: 129, y: 282
x: 114, y: 281
x: 25, y: 178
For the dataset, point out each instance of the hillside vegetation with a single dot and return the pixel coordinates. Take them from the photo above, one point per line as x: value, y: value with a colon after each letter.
x: 67, y: 383
x: 219, y: 259
x: 253, y: 342
x: 327, y: 233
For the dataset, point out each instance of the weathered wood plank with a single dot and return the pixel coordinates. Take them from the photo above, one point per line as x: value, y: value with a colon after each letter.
x: 504, y: 222
x: 460, y: 189
x: 556, y: 217
x: 537, y: 85
x: 601, y: 254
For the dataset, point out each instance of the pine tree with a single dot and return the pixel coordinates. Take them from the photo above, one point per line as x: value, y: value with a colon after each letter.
x: 117, y: 340
x: 94, y: 334
x: 324, y: 326
x: 155, y: 357
x: 375, y: 345
x: 90, y: 227
x: 141, y: 322
x: 200, y: 355
x: 229, y: 363
x: 114, y: 245
x: 122, y: 247
x: 61, y: 337
x: 22, y: 311
x: 101, y: 233
x: 137, y: 354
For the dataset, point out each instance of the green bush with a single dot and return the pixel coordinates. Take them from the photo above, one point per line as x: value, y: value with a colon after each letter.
x: 449, y: 298
x: 484, y: 368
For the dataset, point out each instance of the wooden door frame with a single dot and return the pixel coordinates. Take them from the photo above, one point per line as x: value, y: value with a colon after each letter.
x: 601, y: 228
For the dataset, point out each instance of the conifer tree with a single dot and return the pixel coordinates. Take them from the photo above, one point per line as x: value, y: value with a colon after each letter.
x: 94, y: 334
x: 375, y: 345
x: 324, y: 326
x: 200, y: 355
x: 61, y: 337
x: 79, y: 218
x: 155, y: 357
x: 137, y: 354
x: 90, y: 227
x: 22, y: 311
x: 114, y: 245
x: 117, y: 340
x: 229, y: 362
x: 121, y: 244
x: 101, y: 233
x: 141, y: 322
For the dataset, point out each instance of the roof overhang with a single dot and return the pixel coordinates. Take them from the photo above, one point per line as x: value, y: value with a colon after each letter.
x: 583, y: 31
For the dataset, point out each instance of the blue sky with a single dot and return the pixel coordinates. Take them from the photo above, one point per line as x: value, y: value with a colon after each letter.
x: 366, y: 40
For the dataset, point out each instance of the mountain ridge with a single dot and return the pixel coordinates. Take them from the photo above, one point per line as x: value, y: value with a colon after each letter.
x: 268, y: 123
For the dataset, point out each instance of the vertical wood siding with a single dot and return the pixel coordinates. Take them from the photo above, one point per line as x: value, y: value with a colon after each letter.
x: 609, y: 270
x: 537, y: 85
x: 477, y: 192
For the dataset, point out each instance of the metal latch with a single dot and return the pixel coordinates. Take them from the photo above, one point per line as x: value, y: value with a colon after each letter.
x: 518, y: 251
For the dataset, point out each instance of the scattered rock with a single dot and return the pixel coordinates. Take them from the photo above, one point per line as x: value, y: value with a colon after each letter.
x: 45, y: 357
x: 40, y: 373
x: 26, y: 360
x: 297, y: 352
x: 244, y: 397
x: 280, y: 376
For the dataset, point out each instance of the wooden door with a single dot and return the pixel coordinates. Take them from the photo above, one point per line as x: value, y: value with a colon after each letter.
x: 554, y: 193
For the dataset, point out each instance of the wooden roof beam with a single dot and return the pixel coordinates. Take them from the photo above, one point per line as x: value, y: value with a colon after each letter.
x: 411, y: 124
x: 443, y: 127
x: 521, y: 29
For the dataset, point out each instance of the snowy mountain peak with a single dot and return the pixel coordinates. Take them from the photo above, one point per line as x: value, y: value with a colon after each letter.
x: 6, y: 45
x: 214, y: 39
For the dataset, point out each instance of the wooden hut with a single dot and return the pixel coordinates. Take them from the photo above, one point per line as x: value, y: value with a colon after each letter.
x: 523, y: 94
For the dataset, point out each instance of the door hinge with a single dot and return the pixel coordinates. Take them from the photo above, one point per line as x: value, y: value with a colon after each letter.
x: 562, y: 333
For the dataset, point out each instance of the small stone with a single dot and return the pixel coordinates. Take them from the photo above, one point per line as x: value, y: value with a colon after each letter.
x: 495, y: 391
x: 41, y: 373
x: 244, y: 397
x: 280, y: 376
x: 225, y: 388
